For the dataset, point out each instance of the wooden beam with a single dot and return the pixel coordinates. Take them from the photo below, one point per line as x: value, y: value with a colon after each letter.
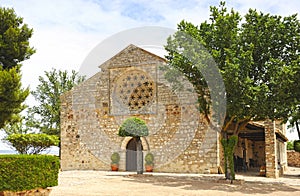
x: 256, y: 136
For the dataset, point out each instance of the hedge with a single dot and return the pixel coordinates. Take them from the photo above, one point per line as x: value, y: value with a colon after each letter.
x: 26, y: 172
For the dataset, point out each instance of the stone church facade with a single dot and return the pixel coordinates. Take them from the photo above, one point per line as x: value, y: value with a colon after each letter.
x: 132, y: 83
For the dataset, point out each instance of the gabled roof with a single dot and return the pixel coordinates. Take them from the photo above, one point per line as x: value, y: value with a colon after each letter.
x: 127, y: 57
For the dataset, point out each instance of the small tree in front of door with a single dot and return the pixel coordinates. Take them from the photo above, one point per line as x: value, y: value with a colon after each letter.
x: 136, y: 128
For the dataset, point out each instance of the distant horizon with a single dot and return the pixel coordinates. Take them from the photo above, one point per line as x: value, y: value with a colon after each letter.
x: 5, y: 147
x: 54, y: 150
x: 10, y: 151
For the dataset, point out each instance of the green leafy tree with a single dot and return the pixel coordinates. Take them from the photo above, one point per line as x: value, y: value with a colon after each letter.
x: 295, y: 111
x: 296, y: 123
x: 14, y: 48
x: 18, y: 124
x: 257, y: 59
x: 14, y: 39
x: 297, y: 145
x: 290, y: 145
x: 46, y: 115
x: 295, y: 117
x: 12, y: 95
x: 32, y: 143
x: 136, y: 128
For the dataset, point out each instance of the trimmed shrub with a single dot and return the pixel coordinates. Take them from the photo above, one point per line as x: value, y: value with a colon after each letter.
x: 26, y: 172
x: 134, y: 127
x: 297, y: 145
x: 149, y: 158
x: 32, y: 143
x: 115, y: 158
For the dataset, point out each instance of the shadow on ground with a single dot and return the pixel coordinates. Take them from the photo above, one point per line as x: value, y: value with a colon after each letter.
x: 212, y: 183
x: 291, y: 176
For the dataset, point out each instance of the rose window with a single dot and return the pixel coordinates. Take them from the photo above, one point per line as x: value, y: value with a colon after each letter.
x: 136, y: 90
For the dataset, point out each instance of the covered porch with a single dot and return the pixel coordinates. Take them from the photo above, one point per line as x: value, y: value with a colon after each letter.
x: 261, y: 150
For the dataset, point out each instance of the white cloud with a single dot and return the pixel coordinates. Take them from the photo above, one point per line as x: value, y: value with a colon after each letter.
x: 279, y: 7
x: 65, y: 31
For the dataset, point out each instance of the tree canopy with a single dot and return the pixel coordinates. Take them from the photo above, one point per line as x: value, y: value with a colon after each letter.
x: 46, y: 114
x: 257, y: 58
x: 295, y: 117
x: 12, y: 95
x: 14, y: 39
x: 18, y: 125
x: 14, y: 48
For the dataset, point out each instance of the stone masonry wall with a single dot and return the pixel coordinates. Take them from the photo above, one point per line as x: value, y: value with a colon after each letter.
x: 131, y: 84
x: 293, y: 158
x: 270, y: 150
x: 74, y: 155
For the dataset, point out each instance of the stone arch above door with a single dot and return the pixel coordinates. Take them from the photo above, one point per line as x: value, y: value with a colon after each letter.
x: 127, y: 139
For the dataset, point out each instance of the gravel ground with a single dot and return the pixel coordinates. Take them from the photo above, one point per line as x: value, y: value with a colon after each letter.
x: 77, y: 183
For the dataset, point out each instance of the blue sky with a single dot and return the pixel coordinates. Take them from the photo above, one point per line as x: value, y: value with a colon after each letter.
x: 66, y: 31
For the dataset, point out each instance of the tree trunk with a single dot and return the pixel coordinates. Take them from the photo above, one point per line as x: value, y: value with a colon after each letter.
x: 139, y: 158
x: 59, y: 149
x: 298, y: 130
x: 228, y: 146
x: 227, y: 176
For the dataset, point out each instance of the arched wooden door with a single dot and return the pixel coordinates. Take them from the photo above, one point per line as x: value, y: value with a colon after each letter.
x: 131, y: 155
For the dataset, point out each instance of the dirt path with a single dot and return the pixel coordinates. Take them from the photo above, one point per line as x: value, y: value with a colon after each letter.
x: 125, y: 183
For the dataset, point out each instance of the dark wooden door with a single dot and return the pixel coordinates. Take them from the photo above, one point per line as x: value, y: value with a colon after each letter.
x: 131, y: 155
